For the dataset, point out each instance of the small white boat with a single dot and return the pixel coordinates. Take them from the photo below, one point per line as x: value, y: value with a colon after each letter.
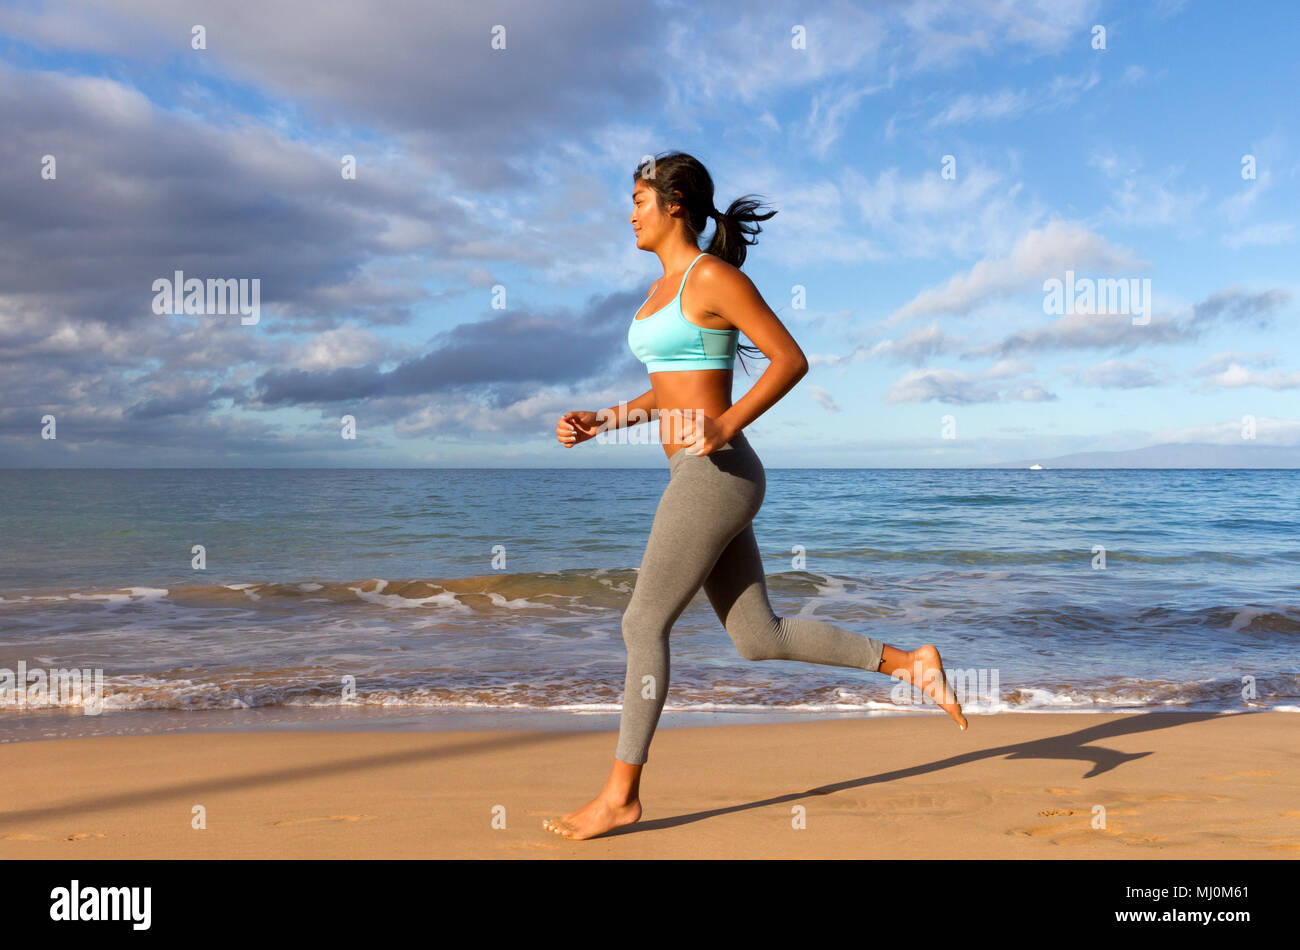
x: 1035, y: 467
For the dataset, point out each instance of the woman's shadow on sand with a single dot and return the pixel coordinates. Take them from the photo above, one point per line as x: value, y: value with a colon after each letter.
x: 1070, y: 746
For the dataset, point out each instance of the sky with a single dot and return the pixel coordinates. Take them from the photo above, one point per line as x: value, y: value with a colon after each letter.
x: 934, y: 166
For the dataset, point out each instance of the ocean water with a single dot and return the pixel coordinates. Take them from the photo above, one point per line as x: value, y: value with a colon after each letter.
x: 453, y: 592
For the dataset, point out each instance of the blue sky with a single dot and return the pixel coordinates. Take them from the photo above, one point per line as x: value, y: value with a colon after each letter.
x: 481, y: 168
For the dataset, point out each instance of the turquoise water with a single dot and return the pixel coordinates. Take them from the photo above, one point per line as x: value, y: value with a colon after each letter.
x: 469, y: 590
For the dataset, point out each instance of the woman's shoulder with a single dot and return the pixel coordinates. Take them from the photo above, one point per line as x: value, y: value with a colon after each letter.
x: 714, y: 271
x: 714, y: 262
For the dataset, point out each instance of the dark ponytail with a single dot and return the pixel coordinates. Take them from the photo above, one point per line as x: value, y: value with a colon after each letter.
x: 734, y: 226
x: 678, y: 178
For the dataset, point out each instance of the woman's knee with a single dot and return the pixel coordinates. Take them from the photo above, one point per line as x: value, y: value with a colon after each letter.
x: 644, y: 626
x: 752, y: 649
x: 754, y: 640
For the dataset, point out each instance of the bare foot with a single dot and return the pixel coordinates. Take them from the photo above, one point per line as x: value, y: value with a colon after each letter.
x: 932, y: 681
x: 595, y: 818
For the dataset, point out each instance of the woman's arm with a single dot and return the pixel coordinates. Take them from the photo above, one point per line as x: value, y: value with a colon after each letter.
x: 646, y: 403
x: 777, y: 380
x: 725, y: 291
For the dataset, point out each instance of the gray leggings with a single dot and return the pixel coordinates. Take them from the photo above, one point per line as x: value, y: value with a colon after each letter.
x: 702, y: 536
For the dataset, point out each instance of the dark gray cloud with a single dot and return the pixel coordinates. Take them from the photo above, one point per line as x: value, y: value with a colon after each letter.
x: 1233, y: 305
x: 1117, y: 332
x: 521, y: 349
x: 141, y: 193
x: 424, y: 71
x: 195, y: 395
x: 1115, y: 374
x: 469, y: 157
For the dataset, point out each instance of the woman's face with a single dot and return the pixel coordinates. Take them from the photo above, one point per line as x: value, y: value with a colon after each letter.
x: 650, y: 223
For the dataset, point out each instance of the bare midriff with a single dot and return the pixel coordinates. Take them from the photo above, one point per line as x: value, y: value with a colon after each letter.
x: 693, y: 391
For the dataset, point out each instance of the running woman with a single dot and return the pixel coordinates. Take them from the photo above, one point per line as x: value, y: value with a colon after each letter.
x: 686, y: 334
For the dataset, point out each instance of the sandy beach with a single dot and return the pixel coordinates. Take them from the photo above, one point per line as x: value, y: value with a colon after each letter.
x: 1014, y: 786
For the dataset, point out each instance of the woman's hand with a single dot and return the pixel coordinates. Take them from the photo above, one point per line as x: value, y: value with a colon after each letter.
x: 576, y: 426
x: 700, y: 432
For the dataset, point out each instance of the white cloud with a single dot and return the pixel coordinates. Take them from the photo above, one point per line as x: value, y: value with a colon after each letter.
x: 1008, y: 103
x: 831, y: 110
x: 1132, y: 75
x: 1040, y: 253
x: 347, y: 345
x: 919, y: 216
x: 1268, y: 431
x: 1220, y: 361
x: 994, y: 105
x: 944, y: 33
x: 1261, y: 235
x: 1236, y: 376
x: 915, y: 346
x: 962, y: 388
x: 822, y: 398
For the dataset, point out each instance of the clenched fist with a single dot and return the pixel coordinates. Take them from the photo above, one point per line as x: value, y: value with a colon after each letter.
x: 576, y: 426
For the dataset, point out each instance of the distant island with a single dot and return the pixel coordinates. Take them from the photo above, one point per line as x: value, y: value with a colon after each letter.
x: 1172, y: 455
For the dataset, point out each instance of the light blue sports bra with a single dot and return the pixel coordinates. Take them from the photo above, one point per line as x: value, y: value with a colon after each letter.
x: 667, y: 342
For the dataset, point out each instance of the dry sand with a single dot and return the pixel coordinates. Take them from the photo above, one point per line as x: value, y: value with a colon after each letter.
x: 1181, y: 785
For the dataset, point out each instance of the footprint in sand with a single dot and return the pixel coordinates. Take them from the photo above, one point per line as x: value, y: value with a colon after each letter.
x: 79, y: 835
x: 1058, y: 835
x: 1081, y: 833
x: 307, y: 821
x: 1052, y: 812
x: 1149, y: 840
